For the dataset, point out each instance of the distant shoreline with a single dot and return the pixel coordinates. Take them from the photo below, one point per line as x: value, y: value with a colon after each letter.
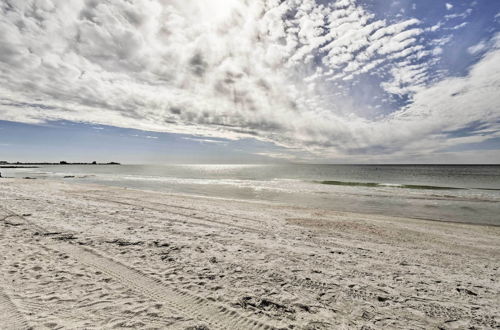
x: 11, y: 166
x: 19, y: 164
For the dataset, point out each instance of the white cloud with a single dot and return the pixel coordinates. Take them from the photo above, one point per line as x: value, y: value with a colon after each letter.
x: 477, y: 48
x: 145, y: 136
x: 449, y: 6
x: 231, y: 69
x: 437, y: 51
x: 277, y: 155
x: 458, y: 26
x: 202, y: 140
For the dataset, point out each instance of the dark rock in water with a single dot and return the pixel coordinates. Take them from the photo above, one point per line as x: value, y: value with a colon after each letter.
x: 29, y: 178
x: 213, y: 260
x: 69, y: 176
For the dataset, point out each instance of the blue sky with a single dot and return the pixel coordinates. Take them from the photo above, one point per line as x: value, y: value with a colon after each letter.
x: 77, y: 142
x: 267, y: 81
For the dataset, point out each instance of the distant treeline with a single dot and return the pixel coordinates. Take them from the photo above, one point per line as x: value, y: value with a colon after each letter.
x: 60, y: 163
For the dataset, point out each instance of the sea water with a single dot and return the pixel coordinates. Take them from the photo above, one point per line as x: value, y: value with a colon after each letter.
x: 460, y: 193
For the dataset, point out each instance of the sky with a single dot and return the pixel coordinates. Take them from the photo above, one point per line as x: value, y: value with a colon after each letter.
x: 318, y: 81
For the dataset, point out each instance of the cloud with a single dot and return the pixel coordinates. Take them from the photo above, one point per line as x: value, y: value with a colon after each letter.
x: 201, y: 140
x: 448, y: 6
x: 279, y: 156
x: 145, y: 136
x: 272, y: 70
x: 477, y: 48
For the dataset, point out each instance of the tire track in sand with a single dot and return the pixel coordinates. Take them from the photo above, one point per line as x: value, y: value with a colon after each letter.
x: 10, y: 316
x: 189, y: 305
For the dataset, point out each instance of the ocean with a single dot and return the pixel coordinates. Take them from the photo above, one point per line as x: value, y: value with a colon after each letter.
x: 458, y: 193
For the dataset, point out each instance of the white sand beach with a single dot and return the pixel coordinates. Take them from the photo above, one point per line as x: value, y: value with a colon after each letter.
x: 79, y: 256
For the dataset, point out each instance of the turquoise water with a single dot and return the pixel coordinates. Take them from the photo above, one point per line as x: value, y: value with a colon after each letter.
x: 436, y: 192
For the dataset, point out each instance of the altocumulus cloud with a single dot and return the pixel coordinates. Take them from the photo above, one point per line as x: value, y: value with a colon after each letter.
x: 268, y: 69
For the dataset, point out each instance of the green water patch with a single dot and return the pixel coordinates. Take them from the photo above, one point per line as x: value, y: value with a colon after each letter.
x: 374, y: 184
x: 346, y: 183
x: 412, y: 186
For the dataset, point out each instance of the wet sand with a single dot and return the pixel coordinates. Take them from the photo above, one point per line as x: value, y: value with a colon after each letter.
x: 87, y: 256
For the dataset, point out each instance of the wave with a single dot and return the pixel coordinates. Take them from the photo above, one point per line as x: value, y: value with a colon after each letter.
x: 258, y: 183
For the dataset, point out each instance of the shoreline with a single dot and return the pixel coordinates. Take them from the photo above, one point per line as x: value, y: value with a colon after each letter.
x: 88, y: 255
x: 256, y: 201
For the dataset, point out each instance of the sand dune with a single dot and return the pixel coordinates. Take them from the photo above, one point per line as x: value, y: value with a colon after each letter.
x: 88, y: 256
